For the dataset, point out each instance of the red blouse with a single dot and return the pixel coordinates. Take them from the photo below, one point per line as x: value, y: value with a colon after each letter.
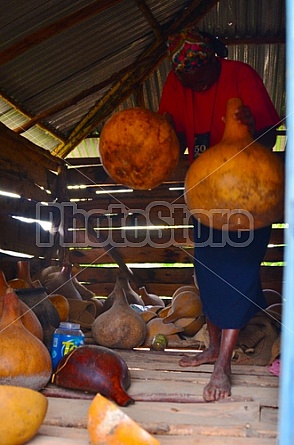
x: 197, y: 114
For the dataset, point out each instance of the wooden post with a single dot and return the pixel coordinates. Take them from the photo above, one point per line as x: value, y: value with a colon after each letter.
x: 286, y: 425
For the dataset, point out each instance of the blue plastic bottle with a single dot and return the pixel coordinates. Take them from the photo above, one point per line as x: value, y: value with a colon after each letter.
x: 65, y: 338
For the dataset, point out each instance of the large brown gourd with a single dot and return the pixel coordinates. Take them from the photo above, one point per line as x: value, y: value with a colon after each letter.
x: 119, y: 327
x: 238, y: 183
x: 138, y: 148
x: 25, y: 360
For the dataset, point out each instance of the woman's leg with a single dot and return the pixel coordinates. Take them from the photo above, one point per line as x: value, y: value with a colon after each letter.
x: 219, y: 385
x: 219, y: 352
x: 210, y: 354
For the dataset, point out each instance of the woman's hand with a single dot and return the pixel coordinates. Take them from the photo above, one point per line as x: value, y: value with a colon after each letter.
x: 244, y: 116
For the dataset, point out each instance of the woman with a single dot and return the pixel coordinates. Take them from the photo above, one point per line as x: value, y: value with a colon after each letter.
x: 194, y: 99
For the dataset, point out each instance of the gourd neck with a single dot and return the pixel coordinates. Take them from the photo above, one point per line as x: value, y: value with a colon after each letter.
x: 144, y: 295
x: 66, y: 271
x: 120, y: 298
x: 234, y: 130
x: 24, y: 272
x: 11, y: 310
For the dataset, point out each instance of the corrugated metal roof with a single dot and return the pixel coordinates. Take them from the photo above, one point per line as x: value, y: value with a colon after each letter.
x: 93, y: 50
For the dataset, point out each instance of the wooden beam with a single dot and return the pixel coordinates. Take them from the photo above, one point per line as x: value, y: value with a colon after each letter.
x: 146, y: 64
x: 16, y: 106
x: 113, y: 253
x: 72, y: 101
x: 55, y: 28
x: 13, y: 142
x: 142, y: 5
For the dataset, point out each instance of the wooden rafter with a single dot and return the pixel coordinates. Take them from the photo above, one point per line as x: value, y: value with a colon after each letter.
x: 55, y: 28
x: 123, y: 83
x: 16, y: 106
x: 126, y: 84
x: 72, y: 101
x: 150, y: 18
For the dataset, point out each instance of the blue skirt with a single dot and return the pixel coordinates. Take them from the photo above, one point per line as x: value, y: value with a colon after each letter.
x: 227, y: 268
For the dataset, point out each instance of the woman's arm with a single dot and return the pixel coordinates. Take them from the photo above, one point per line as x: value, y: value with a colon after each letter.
x: 266, y: 136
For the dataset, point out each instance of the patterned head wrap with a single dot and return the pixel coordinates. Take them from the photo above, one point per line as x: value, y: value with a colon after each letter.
x: 189, y: 49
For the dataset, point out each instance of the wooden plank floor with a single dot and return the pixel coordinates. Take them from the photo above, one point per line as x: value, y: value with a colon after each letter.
x: 169, y: 404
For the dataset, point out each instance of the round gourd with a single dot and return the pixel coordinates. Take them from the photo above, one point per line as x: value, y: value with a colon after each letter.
x: 159, y: 342
x: 238, y: 183
x: 22, y: 411
x: 138, y: 148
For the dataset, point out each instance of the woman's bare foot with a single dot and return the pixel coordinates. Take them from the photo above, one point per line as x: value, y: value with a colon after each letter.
x: 219, y: 385
x: 209, y: 355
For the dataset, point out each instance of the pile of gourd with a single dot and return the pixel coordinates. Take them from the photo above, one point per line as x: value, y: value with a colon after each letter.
x: 130, y: 320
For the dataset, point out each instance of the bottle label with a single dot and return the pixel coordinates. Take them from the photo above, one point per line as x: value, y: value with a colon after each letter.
x: 62, y: 345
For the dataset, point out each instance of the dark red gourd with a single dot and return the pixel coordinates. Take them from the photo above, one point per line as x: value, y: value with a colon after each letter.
x: 95, y: 369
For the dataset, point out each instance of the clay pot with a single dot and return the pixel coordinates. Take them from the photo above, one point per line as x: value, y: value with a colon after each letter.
x: 95, y: 369
x: 238, y: 183
x: 25, y: 361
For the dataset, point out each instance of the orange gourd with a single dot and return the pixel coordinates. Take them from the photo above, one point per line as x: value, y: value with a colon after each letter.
x: 25, y: 360
x: 138, y: 148
x: 186, y: 304
x: 28, y: 317
x: 23, y: 276
x: 61, y: 304
x: 109, y: 425
x: 157, y: 326
x: 22, y: 411
x: 238, y: 183
x: 150, y: 299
